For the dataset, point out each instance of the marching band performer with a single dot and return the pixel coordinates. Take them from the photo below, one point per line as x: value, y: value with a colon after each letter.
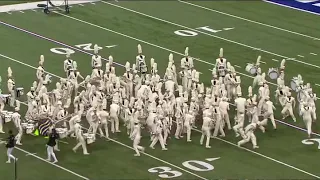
x: 206, y: 126
x: 141, y: 64
x: 68, y: 64
x: 75, y: 118
x: 103, y: 117
x: 114, y: 113
x: 240, y: 103
x: 40, y: 73
x: 224, y: 108
x: 96, y: 58
x: 188, y: 122
x: 287, y: 110
x: 80, y: 138
x: 128, y: 79
x: 186, y: 66
x: 158, y: 136
x: 269, y: 107
x: 136, y: 136
x: 249, y: 135
x: 306, y: 113
x: 16, y: 118
x: 11, y: 87
x: 221, y: 64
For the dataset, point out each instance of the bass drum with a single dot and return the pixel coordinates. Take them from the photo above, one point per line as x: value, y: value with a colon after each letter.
x: 252, y: 69
x: 273, y: 73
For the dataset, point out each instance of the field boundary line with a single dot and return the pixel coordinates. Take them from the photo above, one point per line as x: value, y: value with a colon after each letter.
x: 252, y: 21
x: 160, y: 47
x: 218, y: 37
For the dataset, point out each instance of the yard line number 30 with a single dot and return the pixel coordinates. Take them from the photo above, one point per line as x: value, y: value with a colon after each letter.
x: 195, y: 165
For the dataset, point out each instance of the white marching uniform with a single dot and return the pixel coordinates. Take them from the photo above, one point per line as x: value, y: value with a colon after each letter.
x: 114, y: 113
x: 224, y: 108
x: 240, y: 105
x: 269, y: 107
x: 80, y: 138
x: 188, y: 122
x: 306, y: 113
x: 206, y: 125
x: 96, y: 61
x: 103, y: 117
x: 16, y: 118
x: 11, y: 89
x: 72, y: 122
x: 158, y: 136
x: 288, y: 108
x: 136, y: 136
x: 249, y: 135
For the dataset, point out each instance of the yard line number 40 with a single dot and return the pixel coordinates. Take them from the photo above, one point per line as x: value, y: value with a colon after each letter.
x: 64, y: 51
x: 195, y: 165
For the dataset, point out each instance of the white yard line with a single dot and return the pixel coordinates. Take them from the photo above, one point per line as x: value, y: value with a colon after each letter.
x: 275, y: 60
x: 263, y: 62
x: 237, y: 66
x: 154, y: 45
x: 317, y: 85
x: 248, y: 20
x: 211, y: 35
x: 300, y: 56
x: 58, y: 166
x: 313, y: 54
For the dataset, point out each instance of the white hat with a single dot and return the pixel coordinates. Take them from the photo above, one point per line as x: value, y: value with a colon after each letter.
x: 127, y: 66
x: 186, y: 51
x: 9, y: 72
x: 75, y: 65
x: 41, y: 60
x: 151, y: 62
x: 110, y: 60
x: 221, y: 53
x: 171, y: 58
x: 258, y: 61
x: 282, y: 64
x: 96, y: 49
x: 139, y: 49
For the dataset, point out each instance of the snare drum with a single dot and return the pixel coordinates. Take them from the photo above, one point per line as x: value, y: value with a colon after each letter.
x: 30, y: 128
x: 19, y: 91
x: 89, y: 137
x: 251, y: 68
x: 6, y: 98
x: 62, y: 132
x: 273, y: 73
x: 7, y: 118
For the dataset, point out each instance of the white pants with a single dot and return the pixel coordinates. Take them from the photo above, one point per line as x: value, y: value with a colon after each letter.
x: 188, y: 129
x: 308, y: 123
x: 136, y: 146
x: 157, y: 138
x: 288, y: 110
x: 205, y: 132
x: 51, y: 153
x: 82, y: 143
x: 9, y: 154
x: 249, y: 136
x: 114, y: 124
x: 271, y: 117
x: 218, y: 127
x: 104, y: 125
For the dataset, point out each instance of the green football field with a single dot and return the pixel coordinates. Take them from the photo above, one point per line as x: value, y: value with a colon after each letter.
x: 244, y: 29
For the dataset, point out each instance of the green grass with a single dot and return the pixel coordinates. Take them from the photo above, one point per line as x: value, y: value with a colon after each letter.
x: 111, y: 160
